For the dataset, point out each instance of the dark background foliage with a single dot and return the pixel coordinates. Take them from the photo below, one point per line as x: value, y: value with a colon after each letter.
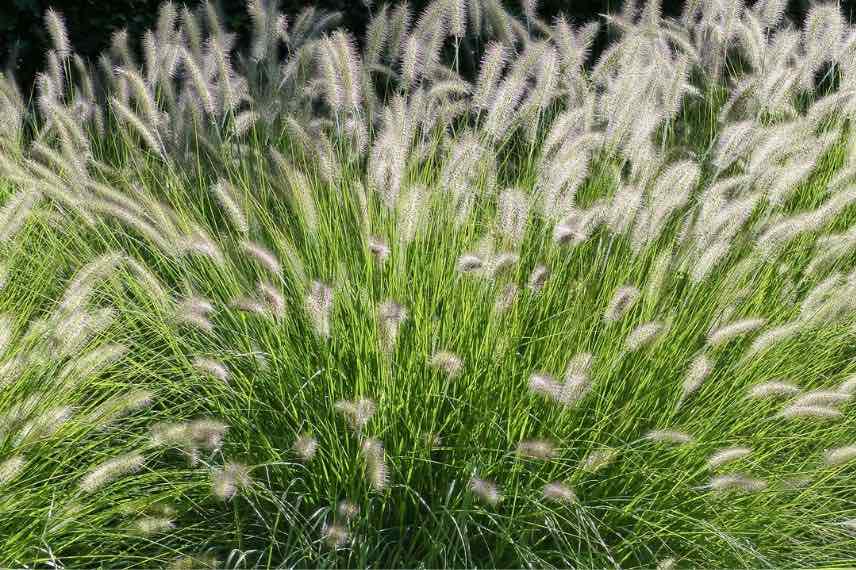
x: 90, y: 22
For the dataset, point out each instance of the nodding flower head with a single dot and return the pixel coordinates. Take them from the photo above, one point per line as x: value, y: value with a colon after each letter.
x: 226, y: 482
x: 536, y: 449
x: 305, y: 446
x: 559, y: 493
x: 486, y: 491
x: 622, y: 301
x: 356, y: 412
x: 469, y: 262
x: 736, y: 482
x: 447, y: 362
x: 390, y: 316
x: 668, y: 436
x: 379, y: 249
x: 727, y: 455
x: 377, y: 471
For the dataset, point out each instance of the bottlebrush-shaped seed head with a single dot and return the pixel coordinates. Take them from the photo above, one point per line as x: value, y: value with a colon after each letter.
x: 668, y: 436
x: 598, y: 459
x: 319, y: 304
x: 736, y: 482
x: 810, y: 412
x: 536, y: 449
x: 559, y: 493
x: 485, y: 491
x: 305, y: 447
x: 469, y: 262
x: 111, y: 470
x: 390, y: 317
x: 840, y: 455
x: 644, y: 335
x: 774, y: 389
x: 377, y: 472
x: 447, y: 362
x: 356, y: 412
x: 622, y: 301
x: 727, y: 455
x: 226, y: 481
x: 211, y: 367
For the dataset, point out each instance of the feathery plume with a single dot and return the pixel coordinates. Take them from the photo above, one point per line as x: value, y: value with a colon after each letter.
x: 668, y: 436
x: 305, y: 446
x: 390, y: 317
x: 226, y: 481
x: 559, y: 493
x: 211, y: 367
x: 821, y: 398
x: 577, y: 384
x: 840, y: 455
x: 725, y: 333
x: 226, y: 195
x: 513, y: 213
x: 55, y: 24
x: 816, y: 412
x: 110, y: 470
x: 469, y: 262
x: 736, y: 482
x: 264, y: 256
x: 447, y: 362
x: 622, y: 301
x: 150, y: 526
x: 536, y: 449
x: 318, y: 305
x: 727, y: 455
x: 699, y: 370
x: 774, y: 389
x: 356, y: 412
x: 486, y: 491
x: 11, y: 468
x: 643, y: 335
x: 377, y: 472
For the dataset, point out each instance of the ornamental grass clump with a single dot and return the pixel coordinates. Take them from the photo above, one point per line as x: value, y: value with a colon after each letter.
x: 459, y: 293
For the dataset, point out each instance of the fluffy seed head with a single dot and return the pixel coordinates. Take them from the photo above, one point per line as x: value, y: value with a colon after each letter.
x: 211, y: 367
x: 486, y: 491
x: 110, y: 470
x: 816, y: 412
x: 622, y: 301
x: 736, y: 482
x: 840, y: 455
x: 356, y: 412
x: 559, y: 493
x: 447, y: 362
x: 305, y: 446
x: 598, y: 459
x: 377, y: 472
x: 730, y: 331
x: 773, y: 389
x: 10, y: 468
x: 536, y: 449
x: 727, y: 455
x: 226, y: 482
x: 643, y: 335
x: 668, y: 436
